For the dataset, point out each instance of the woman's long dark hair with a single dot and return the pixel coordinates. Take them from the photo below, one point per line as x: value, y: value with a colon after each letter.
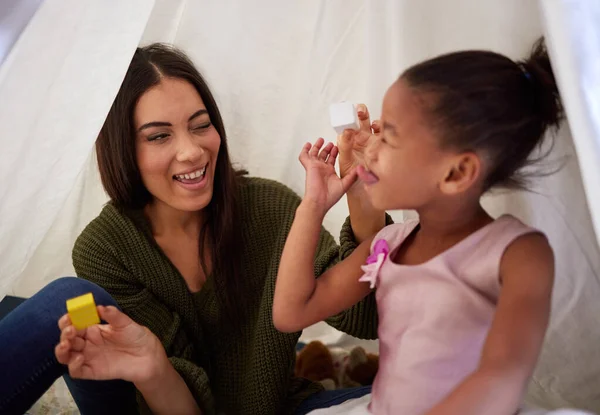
x: 122, y: 181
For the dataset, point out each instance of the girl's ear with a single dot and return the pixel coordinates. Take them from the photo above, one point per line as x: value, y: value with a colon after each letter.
x: 463, y: 172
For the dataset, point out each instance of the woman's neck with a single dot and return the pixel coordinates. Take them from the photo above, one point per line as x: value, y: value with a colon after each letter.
x: 165, y: 219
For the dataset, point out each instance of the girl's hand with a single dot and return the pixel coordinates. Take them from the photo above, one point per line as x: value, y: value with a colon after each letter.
x: 364, y: 218
x: 353, y: 143
x: 121, y: 349
x: 323, y: 186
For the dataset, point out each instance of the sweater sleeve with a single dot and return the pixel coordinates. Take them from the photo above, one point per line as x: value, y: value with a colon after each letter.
x: 96, y: 260
x: 360, y: 320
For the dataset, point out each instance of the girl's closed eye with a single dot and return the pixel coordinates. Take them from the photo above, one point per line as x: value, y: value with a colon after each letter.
x: 386, y: 142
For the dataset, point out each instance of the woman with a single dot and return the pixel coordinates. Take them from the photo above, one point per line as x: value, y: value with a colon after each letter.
x: 182, y: 263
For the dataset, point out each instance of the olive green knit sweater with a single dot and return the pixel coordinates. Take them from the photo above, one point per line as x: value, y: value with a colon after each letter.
x: 247, y: 373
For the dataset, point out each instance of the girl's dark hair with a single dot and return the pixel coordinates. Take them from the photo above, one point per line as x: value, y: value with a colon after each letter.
x: 483, y: 101
x: 121, y: 177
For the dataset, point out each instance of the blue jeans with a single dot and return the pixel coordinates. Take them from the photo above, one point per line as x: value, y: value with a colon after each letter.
x: 28, y: 367
x: 325, y: 399
x: 28, y: 335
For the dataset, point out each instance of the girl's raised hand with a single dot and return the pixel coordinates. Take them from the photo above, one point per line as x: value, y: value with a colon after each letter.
x: 323, y: 188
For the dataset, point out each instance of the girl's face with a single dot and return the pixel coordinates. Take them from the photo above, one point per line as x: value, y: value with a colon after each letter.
x: 176, y: 145
x: 406, y: 163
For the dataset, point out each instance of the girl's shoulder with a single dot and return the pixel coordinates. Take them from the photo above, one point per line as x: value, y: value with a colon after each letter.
x: 395, y: 233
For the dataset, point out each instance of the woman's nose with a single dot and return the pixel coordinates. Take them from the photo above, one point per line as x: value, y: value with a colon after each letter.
x: 188, y: 149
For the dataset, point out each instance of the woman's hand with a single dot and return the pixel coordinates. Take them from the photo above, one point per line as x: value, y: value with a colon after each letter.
x: 353, y: 143
x: 323, y: 186
x: 121, y: 349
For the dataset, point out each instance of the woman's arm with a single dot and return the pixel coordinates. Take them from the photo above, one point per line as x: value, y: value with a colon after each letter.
x: 300, y: 299
x: 165, y: 392
x: 122, y: 349
x: 97, y: 259
x: 516, y: 336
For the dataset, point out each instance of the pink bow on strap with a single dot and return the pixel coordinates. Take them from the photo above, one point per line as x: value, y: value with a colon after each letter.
x: 374, y: 262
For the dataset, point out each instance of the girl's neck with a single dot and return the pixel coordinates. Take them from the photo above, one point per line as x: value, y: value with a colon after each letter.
x: 453, y: 221
x: 165, y: 219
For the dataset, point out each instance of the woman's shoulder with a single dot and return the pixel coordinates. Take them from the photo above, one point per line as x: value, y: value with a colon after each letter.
x: 262, y: 193
x: 266, y: 203
x: 263, y: 187
x: 112, y: 229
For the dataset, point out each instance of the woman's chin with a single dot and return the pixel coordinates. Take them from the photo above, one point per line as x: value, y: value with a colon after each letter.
x: 197, y: 204
x: 190, y: 204
x: 192, y: 200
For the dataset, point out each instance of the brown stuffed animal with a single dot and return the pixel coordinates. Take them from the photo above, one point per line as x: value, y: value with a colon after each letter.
x: 362, y: 366
x: 336, y: 367
x: 314, y: 362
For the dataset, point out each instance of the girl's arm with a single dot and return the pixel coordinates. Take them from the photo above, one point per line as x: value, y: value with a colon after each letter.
x: 516, y: 336
x: 300, y: 299
x: 364, y: 218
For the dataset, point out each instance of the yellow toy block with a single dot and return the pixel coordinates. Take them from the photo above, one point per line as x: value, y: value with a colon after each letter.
x: 82, y: 311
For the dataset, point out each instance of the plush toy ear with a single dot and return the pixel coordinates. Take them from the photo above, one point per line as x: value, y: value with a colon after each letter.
x: 316, y: 362
x: 362, y: 367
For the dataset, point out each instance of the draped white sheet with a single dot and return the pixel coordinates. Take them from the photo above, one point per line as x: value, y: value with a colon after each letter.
x: 56, y: 86
x: 275, y: 67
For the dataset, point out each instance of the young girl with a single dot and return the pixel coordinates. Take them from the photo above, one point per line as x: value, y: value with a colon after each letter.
x: 463, y: 299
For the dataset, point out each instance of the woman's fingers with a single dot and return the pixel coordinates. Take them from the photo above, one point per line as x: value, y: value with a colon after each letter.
x: 77, y: 344
x: 113, y: 316
x: 62, y: 351
x: 64, y: 321
x: 75, y: 364
x: 68, y: 333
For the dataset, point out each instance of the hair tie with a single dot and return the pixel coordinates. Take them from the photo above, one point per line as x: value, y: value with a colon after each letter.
x: 525, y: 71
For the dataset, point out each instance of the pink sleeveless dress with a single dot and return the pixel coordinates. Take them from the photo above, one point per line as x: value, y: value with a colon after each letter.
x: 433, y: 317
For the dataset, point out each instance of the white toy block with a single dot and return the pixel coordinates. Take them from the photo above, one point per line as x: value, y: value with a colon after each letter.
x: 342, y: 116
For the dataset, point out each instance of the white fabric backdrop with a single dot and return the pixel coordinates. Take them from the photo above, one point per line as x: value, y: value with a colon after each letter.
x: 573, y: 31
x: 56, y: 86
x: 275, y: 67
x: 14, y: 16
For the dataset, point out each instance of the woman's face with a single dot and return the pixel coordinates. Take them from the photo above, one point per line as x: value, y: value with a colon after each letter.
x: 176, y: 145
